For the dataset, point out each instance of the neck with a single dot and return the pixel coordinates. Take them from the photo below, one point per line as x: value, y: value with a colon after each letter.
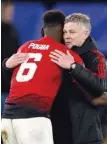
x: 54, y: 33
x: 55, y: 37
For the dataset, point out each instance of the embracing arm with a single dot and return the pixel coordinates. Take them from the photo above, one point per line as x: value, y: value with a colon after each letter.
x: 10, y: 63
x: 93, y: 78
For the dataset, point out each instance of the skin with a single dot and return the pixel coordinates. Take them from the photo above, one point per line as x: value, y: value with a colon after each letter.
x: 102, y: 100
x: 73, y: 34
x: 16, y: 59
x: 19, y: 57
x: 105, y: 141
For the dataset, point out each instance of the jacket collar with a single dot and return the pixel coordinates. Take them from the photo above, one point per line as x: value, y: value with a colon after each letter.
x: 88, y: 45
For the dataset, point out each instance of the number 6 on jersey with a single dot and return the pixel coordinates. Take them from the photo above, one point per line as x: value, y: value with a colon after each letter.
x: 32, y: 67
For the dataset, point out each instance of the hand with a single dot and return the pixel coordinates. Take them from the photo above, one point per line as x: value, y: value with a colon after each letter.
x: 16, y: 59
x: 62, y: 59
x: 102, y: 100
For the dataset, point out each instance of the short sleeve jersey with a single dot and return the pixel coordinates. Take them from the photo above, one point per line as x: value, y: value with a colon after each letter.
x: 37, y: 77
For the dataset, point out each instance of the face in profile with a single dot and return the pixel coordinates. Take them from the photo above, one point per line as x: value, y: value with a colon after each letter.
x: 74, y: 34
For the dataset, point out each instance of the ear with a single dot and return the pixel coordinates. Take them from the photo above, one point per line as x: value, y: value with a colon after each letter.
x: 42, y: 32
x: 87, y: 33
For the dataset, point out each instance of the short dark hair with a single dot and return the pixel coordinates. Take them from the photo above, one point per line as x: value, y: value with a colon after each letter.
x: 53, y: 17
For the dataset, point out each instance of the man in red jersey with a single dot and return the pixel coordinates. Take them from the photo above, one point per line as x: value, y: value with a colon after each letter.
x: 34, y: 85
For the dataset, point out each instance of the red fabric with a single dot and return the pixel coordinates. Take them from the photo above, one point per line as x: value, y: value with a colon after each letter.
x: 46, y: 78
x: 101, y: 65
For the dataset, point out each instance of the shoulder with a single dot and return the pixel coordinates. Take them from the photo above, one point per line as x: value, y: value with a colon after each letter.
x: 24, y: 46
x: 93, y: 54
x: 27, y: 43
x: 94, y: 60
x: 62, y: 47
x: 96, y: 52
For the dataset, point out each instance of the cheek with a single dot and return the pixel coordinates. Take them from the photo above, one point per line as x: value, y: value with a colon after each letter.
x: 64, y: 36
x: 74, y: 36
x: 78, y: 37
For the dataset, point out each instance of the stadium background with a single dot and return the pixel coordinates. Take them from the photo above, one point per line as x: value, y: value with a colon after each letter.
x: 28, y: 15
x: 28, y: 18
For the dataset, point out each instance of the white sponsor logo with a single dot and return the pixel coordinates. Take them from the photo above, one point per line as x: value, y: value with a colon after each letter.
x: 39, y: 46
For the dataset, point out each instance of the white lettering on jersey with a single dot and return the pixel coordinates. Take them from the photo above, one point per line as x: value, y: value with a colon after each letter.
x: 32, y: 67
x: 39, y: 46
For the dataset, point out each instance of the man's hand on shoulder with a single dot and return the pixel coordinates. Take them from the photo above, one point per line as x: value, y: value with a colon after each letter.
x: 16, y: 59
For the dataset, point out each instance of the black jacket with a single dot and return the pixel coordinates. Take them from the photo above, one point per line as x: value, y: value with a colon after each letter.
x: 75, y: 120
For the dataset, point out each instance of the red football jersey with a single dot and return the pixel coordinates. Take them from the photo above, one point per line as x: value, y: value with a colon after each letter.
x: 38, y: 77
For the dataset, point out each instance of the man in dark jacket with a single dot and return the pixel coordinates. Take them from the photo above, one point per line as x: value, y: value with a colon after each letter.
x: 77, y: 117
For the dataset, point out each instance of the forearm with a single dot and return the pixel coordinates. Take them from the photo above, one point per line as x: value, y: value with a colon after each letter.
x: 93, y: 84
x: 9, y: 64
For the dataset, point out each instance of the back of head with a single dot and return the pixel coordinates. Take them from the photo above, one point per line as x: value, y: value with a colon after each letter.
x: 53, y: 21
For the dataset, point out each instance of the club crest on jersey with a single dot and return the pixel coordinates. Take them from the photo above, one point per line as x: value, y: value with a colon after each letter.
x: 39, y: 46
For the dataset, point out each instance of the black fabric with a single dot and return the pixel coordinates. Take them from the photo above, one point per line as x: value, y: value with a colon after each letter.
x: 6, y: 73
x: 17, y: 112
x: 72, y: 108
x: 91, y: 77
x: 91, y: 83
x: 86, y: 47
